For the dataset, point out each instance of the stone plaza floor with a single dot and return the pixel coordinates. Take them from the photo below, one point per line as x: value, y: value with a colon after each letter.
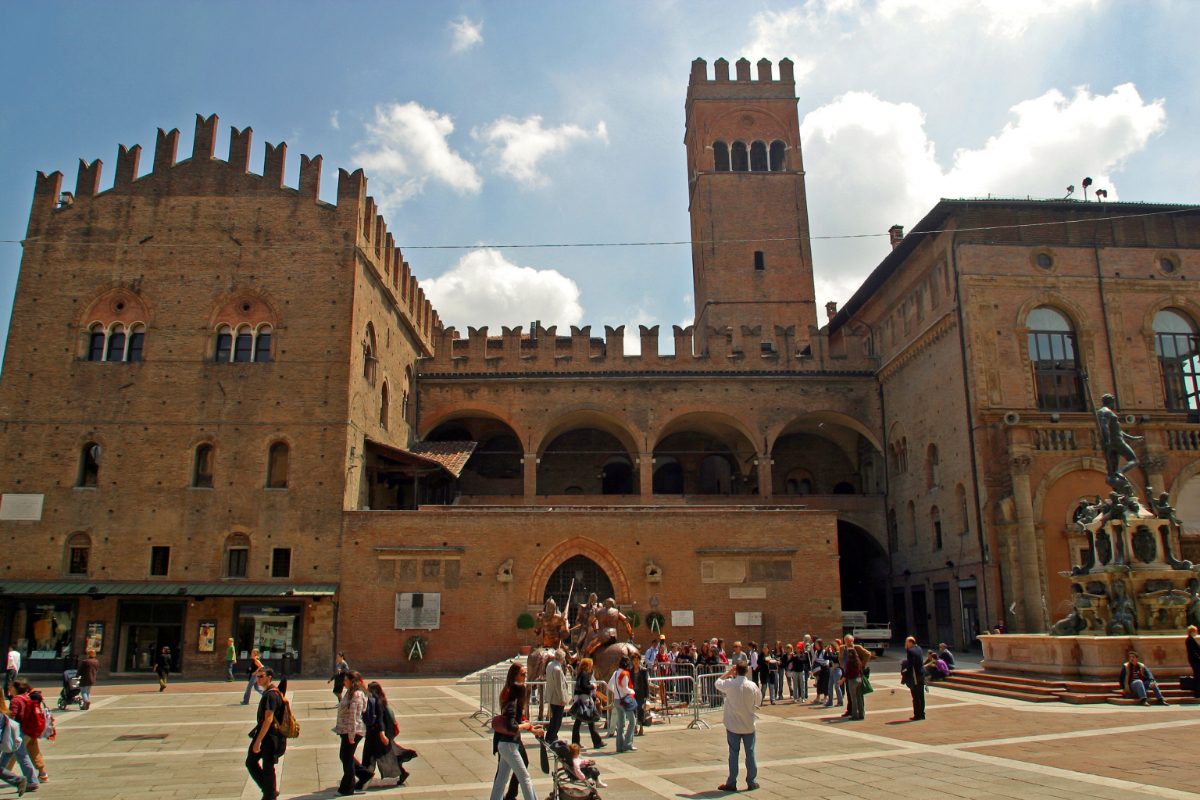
x: 190, y: 742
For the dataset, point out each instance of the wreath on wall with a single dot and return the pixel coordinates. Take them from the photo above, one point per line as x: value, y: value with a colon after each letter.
x: 415, y: 648
x: 655, y: 621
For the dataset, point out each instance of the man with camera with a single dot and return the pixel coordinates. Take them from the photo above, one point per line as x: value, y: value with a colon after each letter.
x: 742, y: 697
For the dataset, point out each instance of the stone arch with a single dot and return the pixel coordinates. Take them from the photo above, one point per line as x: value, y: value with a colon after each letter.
x: 1055, y: 501
x: 589, y: 417
x: 578, y: 546
x: 1074, y: 313
x: 1173, y: 301
x: 1055, y: 473
x: 687, y: 419
x: 826, y: 417
x: 452, y: 411
x: 725, y: 130
x: 230, y: 309
x: 116, y: 304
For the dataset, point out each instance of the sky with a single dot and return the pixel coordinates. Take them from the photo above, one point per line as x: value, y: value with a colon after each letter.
x: 481, y: 124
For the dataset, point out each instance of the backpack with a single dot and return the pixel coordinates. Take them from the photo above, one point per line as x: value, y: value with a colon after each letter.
x: 285, y: 721
x: 32, y: 715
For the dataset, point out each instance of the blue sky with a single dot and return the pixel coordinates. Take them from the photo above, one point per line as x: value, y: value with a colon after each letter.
x: 546, y: 122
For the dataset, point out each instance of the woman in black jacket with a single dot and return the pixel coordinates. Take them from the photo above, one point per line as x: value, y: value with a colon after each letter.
x: 507, y: 744
x: 641, y: 689
x: 381, y: 734
x: 162, y: 666
x: 583, y: 704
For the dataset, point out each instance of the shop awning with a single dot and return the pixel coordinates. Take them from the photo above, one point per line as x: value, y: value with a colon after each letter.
x: 166, y: 589
x: 425, y: 457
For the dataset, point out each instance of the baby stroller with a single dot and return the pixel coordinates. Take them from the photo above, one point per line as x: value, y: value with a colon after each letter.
x: 70, y: 691
x: 566, y: 785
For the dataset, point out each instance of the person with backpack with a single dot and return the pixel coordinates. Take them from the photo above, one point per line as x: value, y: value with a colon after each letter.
x: 268, y: 743
x: 29, y: 711
x: 11, y: 747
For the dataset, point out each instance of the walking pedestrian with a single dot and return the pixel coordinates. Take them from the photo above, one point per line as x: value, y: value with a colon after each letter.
x: 624, y: 700
x: 252, y: 671
x: 162, y: 667
x: 16, y: 754
x: 558, y: 692
x: 381, y: 735
x: 12, y: 670
x: 507, y: 744
x: 88, y: 669
x: 268, y: 743
x: 641, y: 688
x: 10, y: 743
x: 351, y: 727
x: 583, y: 705
x: 1192, y: 646
x: 340, y: 669
x: 230, y: 659
x: 742, y: 697
x: 852, y: 675
x: 912, y: 675
x: 26, y: 709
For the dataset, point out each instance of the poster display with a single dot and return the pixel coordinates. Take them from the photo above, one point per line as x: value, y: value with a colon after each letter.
x: 207, y: 640
x: 94, y: 638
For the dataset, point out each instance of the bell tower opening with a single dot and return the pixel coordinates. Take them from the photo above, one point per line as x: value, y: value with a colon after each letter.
x: 751, y: 258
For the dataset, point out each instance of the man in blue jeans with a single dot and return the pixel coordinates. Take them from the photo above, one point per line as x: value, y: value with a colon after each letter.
x: 742, y: 697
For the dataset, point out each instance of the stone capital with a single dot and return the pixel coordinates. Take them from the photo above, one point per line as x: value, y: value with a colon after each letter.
x: 1020, y: 464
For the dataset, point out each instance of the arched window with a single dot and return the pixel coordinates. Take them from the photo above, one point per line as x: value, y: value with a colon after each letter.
x: 237, y: 555
x: 1052, y: 353
x: 912, y: 523
x: 277, y: 466
x: 96, y: 340
x: 243, y: 346
x: 935, y: 520
x: 1178, y: 349
x: 137, y: 338
x: 116, y: 343
x: 370, y: 357
x: 721, y: 156
x: 89, y: 465
x: 741, y: 159
x: 224, y: 351
x: 78, y: 554
x: 202, y: 467
x: 758, y: 157
x: 262, y: 344
x: 778, y: 152
x: 932, y: 478
x: 383, y: 406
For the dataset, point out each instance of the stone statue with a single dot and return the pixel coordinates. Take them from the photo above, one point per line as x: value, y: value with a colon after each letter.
x: 551, y: 625
x: 1123, y: 621
x: 504, y: 573
x: 1115, y: 443
x: 653, y: 572
x: 1072, y: 624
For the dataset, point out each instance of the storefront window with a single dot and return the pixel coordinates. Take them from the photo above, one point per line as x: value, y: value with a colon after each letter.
x: 274, y: 630
x: 43, y: 630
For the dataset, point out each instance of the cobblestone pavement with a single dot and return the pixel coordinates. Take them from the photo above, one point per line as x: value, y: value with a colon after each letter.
x: 190, y: 742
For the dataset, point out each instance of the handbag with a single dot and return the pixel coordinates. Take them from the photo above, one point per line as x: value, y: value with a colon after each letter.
x: 867, y: 688
x: 500, y: 725
x: 629, y: 703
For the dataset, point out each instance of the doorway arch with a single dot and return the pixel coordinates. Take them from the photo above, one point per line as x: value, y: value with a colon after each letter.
x: 577, y: 576
x: 864, y: 568
x: 577, y: 546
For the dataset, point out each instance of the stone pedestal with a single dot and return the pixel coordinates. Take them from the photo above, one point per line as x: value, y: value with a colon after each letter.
x: 1087, y: 657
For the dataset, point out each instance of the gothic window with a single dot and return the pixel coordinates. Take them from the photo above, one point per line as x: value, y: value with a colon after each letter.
x: 758, y: 157
x: 96, y: 338
x: 383, y: 406
x: 277, y: 466
x: 202, y: 467
x: 1178, y: 349
x: 224, y: 349
x: 721, y: 156
x: 89, y: 466
x: 116, y: 344
x: 262, y: 344
x: 243, y: 345
x: 740, y: 159
x: 79, y: 548
x: 1053, y: 355
x: 237, y: 555
x: 778, y: 151
x: 370, y: 355
x: 935, y: 519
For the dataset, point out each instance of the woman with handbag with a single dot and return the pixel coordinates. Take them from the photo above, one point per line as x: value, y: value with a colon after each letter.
x: 380, y: 741
x: 350, y: 728
x: 583, y: 705
x: 625, y: 705
x: 506, y: 736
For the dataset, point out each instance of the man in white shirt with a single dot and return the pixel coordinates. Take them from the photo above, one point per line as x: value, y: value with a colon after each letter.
x: 742, y: 697
x: 14, y: 667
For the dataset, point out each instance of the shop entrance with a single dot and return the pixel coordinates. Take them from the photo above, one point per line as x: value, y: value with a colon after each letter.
x: 277, y: 632
x: 144, y: 630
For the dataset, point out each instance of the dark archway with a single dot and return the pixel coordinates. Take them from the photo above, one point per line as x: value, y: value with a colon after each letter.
x: 588, y: 577
x: 668, y: 478
x: 617, y: 478
x: 864, y: 568
x: 495, y: 468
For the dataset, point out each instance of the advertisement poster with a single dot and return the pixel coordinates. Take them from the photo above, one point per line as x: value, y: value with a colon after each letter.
x: 95, y: 637
x: 208, y: 636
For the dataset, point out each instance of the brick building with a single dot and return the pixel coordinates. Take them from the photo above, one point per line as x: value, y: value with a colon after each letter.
x: 229, y: 410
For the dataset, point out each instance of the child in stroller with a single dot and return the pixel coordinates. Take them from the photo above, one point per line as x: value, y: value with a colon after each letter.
x: 70, y: 690
x: 574, y: 778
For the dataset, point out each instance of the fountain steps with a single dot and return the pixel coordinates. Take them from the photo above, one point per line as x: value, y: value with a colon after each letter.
x: 1035, y: 690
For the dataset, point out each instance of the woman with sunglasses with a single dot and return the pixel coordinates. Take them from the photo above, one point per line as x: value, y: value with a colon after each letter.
x: 507, y: 744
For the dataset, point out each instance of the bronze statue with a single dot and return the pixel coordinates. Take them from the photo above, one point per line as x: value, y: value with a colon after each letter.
x: 585, y: 622
x: 1123, y: 621
x: 1115, y: 443
x: 551, y: 625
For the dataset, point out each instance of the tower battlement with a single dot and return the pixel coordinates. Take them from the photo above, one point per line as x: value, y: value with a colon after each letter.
x: 742, y: 71
x: 203, y: 175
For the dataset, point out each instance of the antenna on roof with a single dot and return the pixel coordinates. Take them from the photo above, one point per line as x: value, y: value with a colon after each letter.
x: 1086, y: 183
x: 1070, y: 191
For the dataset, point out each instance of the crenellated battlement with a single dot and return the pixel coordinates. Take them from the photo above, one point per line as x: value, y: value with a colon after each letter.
x: 742, y: 72
x: 355, y: 212
x: 543, y: 350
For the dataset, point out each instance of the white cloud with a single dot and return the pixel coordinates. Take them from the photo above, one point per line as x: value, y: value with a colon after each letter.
x: 1009, y: 18
x: 485, y: 288
x: 633, y: 333
x: 871, y: 164
x: 406, y: 145
x: 519, y: 145
x: 465, y: 34
x: 333, y: 121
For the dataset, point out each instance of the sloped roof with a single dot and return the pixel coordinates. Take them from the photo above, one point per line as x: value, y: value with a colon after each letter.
x: 453, y: 456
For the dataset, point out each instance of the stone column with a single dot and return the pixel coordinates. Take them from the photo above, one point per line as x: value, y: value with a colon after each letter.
x: 1027, y: 545
x: 764, y: 477
x: 1154, y: 465
x: 530, y: 461
x: 646, y: 476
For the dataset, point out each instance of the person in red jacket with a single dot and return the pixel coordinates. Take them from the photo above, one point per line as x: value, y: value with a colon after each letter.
x: 26, y: 709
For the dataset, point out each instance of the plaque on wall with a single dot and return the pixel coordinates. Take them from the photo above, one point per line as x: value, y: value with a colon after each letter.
x: 418, y: 610
x: 21, y: 507
x: 682, y: 619
x: 747, y: 618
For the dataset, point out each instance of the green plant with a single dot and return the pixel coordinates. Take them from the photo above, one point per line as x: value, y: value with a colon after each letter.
x: 525, y: 621
x: 415, y: 648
